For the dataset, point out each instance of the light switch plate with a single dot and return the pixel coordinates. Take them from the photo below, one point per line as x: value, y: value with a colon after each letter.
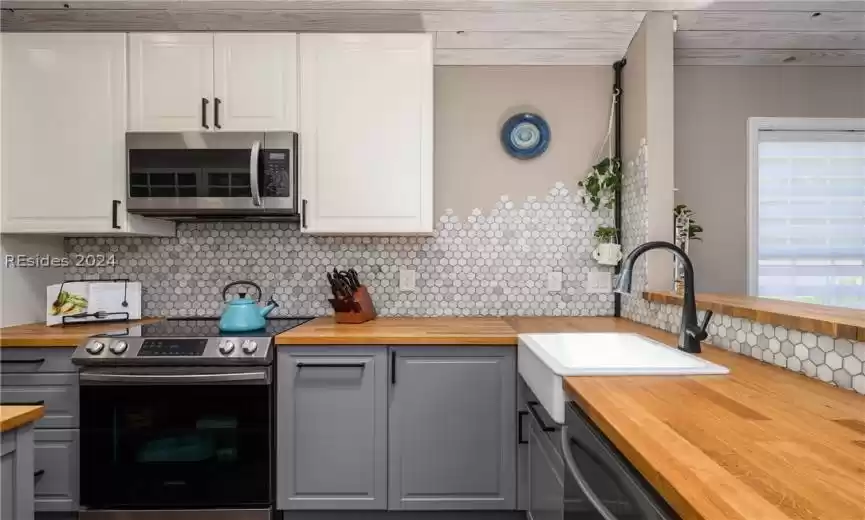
x: 554, y: 281
x: 407, y: 280
x: 599, y: 282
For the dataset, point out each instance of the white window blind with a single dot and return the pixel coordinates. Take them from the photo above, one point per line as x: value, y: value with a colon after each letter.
x: 808, y: 217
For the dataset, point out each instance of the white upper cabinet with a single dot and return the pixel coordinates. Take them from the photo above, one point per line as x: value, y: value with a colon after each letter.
x: 366, y: 130
x: 255, y: 82
x: 201, y: 82
x: 63, y: 135
x: 170, y: 82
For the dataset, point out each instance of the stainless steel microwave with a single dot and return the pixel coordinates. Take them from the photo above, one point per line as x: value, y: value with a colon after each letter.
x: 213, y: 180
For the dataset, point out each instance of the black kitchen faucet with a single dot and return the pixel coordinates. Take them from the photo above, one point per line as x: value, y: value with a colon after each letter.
x: 691, y: 333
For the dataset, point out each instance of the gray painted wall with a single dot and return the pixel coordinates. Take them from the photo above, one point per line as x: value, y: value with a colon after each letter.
x: 713, y: 105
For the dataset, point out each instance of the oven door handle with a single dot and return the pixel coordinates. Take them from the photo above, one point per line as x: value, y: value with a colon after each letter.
x: 254, y: 154
x: 95, y: 378
x: 581, y: 480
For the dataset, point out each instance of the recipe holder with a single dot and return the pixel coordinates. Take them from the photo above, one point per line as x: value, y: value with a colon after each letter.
x: 357, y: 309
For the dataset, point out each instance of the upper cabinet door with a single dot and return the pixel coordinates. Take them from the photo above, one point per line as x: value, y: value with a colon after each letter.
x: 170, y: 82
x: 255, y: 82
x: 63, y: 126
x: 366, y: 130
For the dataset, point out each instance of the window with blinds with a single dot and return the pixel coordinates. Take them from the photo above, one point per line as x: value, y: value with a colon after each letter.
x: 808, y: 216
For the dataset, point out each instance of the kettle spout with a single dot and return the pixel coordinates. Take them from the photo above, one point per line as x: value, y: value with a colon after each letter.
x: 268, y: 308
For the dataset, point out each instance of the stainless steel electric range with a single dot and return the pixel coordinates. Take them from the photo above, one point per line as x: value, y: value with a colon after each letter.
x: 177, y: 422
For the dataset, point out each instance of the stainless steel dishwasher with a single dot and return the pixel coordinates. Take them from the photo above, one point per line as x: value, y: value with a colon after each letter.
x: 599, y: 483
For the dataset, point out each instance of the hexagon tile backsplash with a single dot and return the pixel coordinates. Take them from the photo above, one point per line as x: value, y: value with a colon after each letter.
x: 492, y: 264
x: 836, y: 361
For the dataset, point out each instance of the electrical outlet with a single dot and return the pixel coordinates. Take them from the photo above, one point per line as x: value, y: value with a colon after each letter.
x: 407, y: 279
x: 599, y: 282
x: 554, y: 281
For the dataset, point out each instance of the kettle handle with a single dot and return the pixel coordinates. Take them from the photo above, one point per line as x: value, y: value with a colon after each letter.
x: 241, y: 282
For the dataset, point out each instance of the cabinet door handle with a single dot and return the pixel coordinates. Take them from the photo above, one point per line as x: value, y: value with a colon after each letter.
x: 216, y: 103
x: 331, y: 365
x: 38, y: 473
x: 303, y: 214
x: 115, y: 204
x: 35, y: 361
x: 520, y: 416
x: 544, y: 428
x: 392, y: 367
x: 204, y: 103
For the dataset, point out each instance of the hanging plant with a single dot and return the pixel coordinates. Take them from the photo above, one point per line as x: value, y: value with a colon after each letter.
x: 605, y: 178
x: 602, y: 183
x: 606, y: 234
x: 693, y: 228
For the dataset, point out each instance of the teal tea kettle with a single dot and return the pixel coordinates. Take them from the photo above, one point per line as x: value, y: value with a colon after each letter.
x: 243, y: 314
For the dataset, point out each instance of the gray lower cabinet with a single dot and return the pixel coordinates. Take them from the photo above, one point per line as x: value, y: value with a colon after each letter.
x: 56, y: 469
x: 523, y: 470
x: 16, y: 474
x: 546, y: 477
x: 452, y: 428
x: 332, y: 428
x: 46, y: 376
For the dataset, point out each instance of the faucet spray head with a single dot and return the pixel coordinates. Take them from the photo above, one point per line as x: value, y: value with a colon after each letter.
x: 623, y: 282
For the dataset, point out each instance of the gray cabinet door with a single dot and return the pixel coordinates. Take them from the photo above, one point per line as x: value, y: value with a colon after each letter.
x: 332, y: 428
x: 453, y: 428
x: 56, y: 466
x: 546, y: 484
x: 16, y: 474
x: 57, y: 392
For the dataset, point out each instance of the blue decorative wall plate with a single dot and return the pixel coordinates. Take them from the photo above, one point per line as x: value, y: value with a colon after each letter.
x: 525, y: 136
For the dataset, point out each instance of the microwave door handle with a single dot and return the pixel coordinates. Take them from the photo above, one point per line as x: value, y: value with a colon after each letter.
x: 253, y: 172
x: 581, y: 481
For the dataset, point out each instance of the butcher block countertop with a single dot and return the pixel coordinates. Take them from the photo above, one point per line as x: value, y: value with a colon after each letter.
x: 402, y: 331
x: 760, y: 443
x: 15, y: 416
x: 41, y: 335
x: 838, y: 322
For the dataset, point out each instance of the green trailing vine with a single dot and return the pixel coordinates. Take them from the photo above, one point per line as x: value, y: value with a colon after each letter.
x: 602, y: 183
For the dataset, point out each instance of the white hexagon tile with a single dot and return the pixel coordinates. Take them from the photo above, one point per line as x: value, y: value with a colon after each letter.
x: 635, y: 218
x: 493, y: 263
x: 836, y: 361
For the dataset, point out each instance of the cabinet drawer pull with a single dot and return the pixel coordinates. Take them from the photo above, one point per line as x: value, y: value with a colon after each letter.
x: 520, y: 416
x: 544, y: 428
x: 392, y: 367
x: 38, y: 473
x: 204, y: 102
x: 331, y: 365
x: 37, y: 361
x: 303, y: 214
x: 22, y: 403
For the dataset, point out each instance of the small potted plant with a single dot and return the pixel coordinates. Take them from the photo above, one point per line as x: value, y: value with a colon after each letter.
x: 608, y: 252
x: 602, y: 183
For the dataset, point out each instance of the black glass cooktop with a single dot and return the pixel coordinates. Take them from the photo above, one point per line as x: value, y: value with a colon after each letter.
x: 205, y: 327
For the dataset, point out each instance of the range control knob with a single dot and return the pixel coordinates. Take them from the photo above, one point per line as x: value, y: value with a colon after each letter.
x: 118, y: 347
x: 94, y: 347
x: 226, y: 348
x: 249, y: 346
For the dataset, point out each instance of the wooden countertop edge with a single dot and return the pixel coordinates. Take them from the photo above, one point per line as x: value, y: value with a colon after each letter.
x: 835, y: 321
x: 36, y: 335
x: 15, y: 416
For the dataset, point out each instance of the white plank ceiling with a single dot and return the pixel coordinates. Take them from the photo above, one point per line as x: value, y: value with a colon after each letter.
x: 500, y: 32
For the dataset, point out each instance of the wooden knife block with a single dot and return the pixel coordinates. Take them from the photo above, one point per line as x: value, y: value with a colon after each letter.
x: 364, y: 310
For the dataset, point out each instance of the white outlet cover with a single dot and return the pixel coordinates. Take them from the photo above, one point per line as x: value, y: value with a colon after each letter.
x: 407, y: 279
x: 599, y: 282
x: 554, y: 281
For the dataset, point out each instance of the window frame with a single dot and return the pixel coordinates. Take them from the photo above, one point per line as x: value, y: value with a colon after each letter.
x: 755, y: 125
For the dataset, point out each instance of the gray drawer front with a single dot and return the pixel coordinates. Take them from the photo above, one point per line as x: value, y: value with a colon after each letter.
x: 56, y: 454
x: 34, y: 360
x: 58, y: 391
x: 537, y: 411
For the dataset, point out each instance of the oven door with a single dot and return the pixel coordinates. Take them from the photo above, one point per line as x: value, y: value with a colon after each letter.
x: 599, y: 483
x: 173, y: 438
